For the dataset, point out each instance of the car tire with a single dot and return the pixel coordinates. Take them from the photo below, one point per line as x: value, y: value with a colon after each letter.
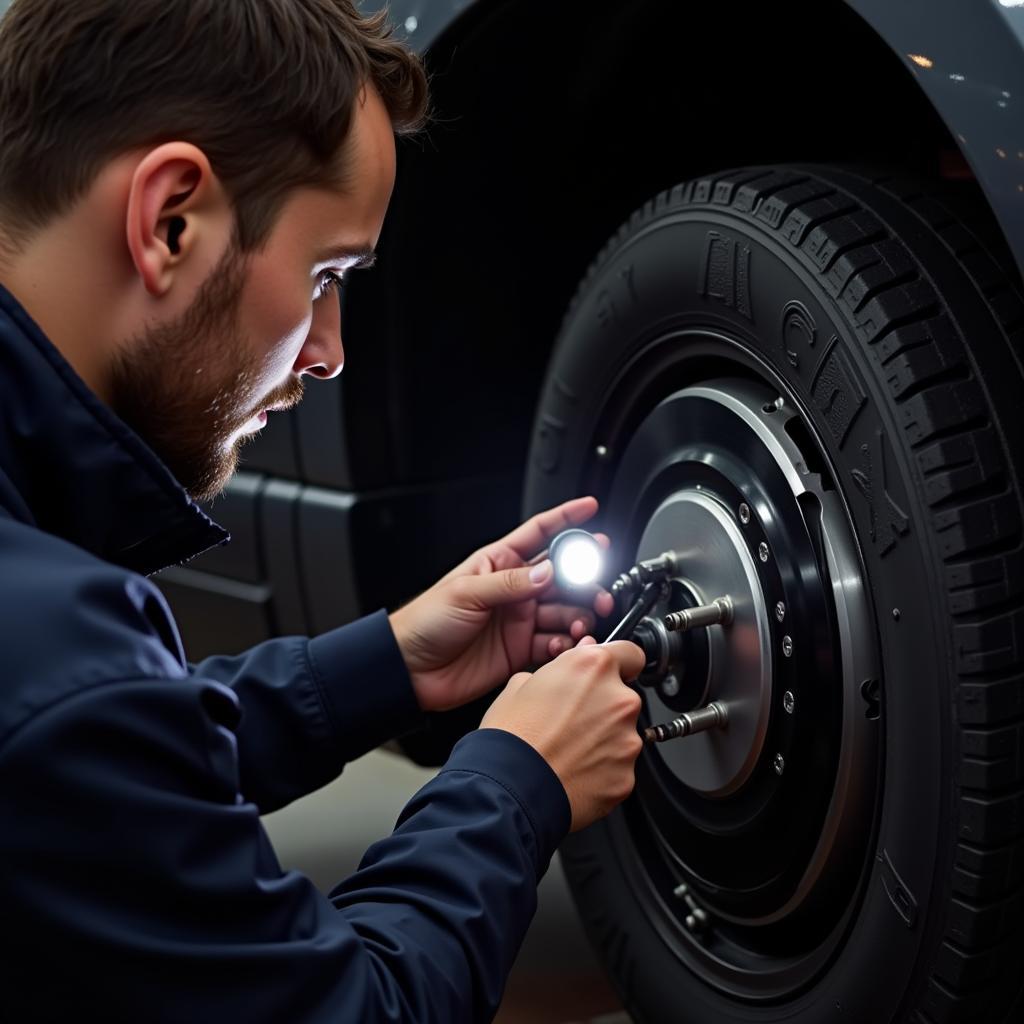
x: 819, y: 370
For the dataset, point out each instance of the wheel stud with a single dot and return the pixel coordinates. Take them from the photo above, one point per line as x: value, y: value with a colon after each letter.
x: 714, y: 716
x: 787, y: 646
x: 780, y: 611
x: 744, y: 512
x: 718, y: 613
x: 779, y: 764
x: 762, y: 551
x: 788, y: 702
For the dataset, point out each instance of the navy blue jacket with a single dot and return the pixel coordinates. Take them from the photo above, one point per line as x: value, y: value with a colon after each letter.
x: 136, y: 881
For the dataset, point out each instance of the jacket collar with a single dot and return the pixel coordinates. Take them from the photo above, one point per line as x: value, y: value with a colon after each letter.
x: 71, y: 467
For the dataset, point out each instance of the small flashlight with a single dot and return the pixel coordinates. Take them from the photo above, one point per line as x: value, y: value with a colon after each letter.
x: 577, y: 558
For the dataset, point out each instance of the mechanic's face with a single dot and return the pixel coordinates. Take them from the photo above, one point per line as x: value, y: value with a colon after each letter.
x: 198, y: 387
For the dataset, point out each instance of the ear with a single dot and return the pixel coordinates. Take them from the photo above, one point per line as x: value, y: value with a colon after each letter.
x: 177, y: 210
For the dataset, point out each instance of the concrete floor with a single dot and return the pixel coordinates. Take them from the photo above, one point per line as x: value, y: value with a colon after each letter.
x: 556, y: 978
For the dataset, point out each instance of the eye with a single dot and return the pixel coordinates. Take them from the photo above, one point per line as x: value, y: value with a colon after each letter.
x: 330, y: 280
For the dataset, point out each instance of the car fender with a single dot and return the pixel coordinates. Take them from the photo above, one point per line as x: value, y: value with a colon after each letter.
x: 973, y: 76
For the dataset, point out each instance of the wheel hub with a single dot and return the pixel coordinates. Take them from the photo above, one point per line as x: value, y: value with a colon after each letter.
x: 737, y: 670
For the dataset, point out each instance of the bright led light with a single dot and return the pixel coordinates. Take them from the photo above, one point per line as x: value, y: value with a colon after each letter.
x: 576, y: 555
x: 579, y: 563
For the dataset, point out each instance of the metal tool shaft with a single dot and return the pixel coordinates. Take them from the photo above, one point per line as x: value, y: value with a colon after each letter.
x: 642, y: 605
x: 719, y: 612
x: 714, y: 716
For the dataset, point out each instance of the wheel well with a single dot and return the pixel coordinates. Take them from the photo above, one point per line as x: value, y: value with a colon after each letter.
x: 552, y: 123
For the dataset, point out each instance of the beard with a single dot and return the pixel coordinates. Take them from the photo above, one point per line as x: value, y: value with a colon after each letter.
x: 189, y: 386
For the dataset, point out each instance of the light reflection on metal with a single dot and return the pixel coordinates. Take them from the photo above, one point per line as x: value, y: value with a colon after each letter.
x: 920, y: 60
x: 956, y: 77
x: 1012, y: 3
x: 1001, y: 153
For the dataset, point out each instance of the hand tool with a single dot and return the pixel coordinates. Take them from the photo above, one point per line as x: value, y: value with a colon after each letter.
x: 578, y: 559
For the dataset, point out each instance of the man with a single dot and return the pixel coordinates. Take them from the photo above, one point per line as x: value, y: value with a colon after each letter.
x: 182, y: 183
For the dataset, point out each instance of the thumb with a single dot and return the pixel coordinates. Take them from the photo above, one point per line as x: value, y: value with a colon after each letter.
x: 507, y: 586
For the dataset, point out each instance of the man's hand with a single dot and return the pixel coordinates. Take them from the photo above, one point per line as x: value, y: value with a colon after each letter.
x: 494, y: 615
x: 579, y: 715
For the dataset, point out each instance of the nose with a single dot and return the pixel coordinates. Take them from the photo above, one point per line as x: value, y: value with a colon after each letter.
x: 322, y: 354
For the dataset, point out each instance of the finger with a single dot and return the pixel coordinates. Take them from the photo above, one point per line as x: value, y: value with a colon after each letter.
x: 630, y: 656
x: 587, y: 641
x: 527, y: 539
x: 601, y: 602
x: 507, y: 586
x: 548, y: 645
x: 562, y: 618
x: 604, y: 603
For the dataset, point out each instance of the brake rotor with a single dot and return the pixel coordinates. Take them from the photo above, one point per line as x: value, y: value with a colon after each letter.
x: 738, y: 669
x: 751, y: 820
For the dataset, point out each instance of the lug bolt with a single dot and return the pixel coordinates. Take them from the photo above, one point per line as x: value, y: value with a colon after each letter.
x: 780, y: 611
x: 788, y: 702
x: 744, y: 513
x: 762, y: 551
x: 719, y: 612
x: 670, y: 686
x: 779, y: 764
x: 787, y: 646
x: 714, y: 716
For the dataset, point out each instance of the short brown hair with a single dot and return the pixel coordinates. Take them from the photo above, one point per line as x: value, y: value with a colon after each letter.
x: 265, y: 88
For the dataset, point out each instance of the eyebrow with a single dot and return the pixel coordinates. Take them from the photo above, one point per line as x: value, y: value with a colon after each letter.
x: 358, y: 259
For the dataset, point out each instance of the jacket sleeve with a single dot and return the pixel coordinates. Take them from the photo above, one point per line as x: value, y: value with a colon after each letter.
x: 311, y: 706
x: 139, y: 885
